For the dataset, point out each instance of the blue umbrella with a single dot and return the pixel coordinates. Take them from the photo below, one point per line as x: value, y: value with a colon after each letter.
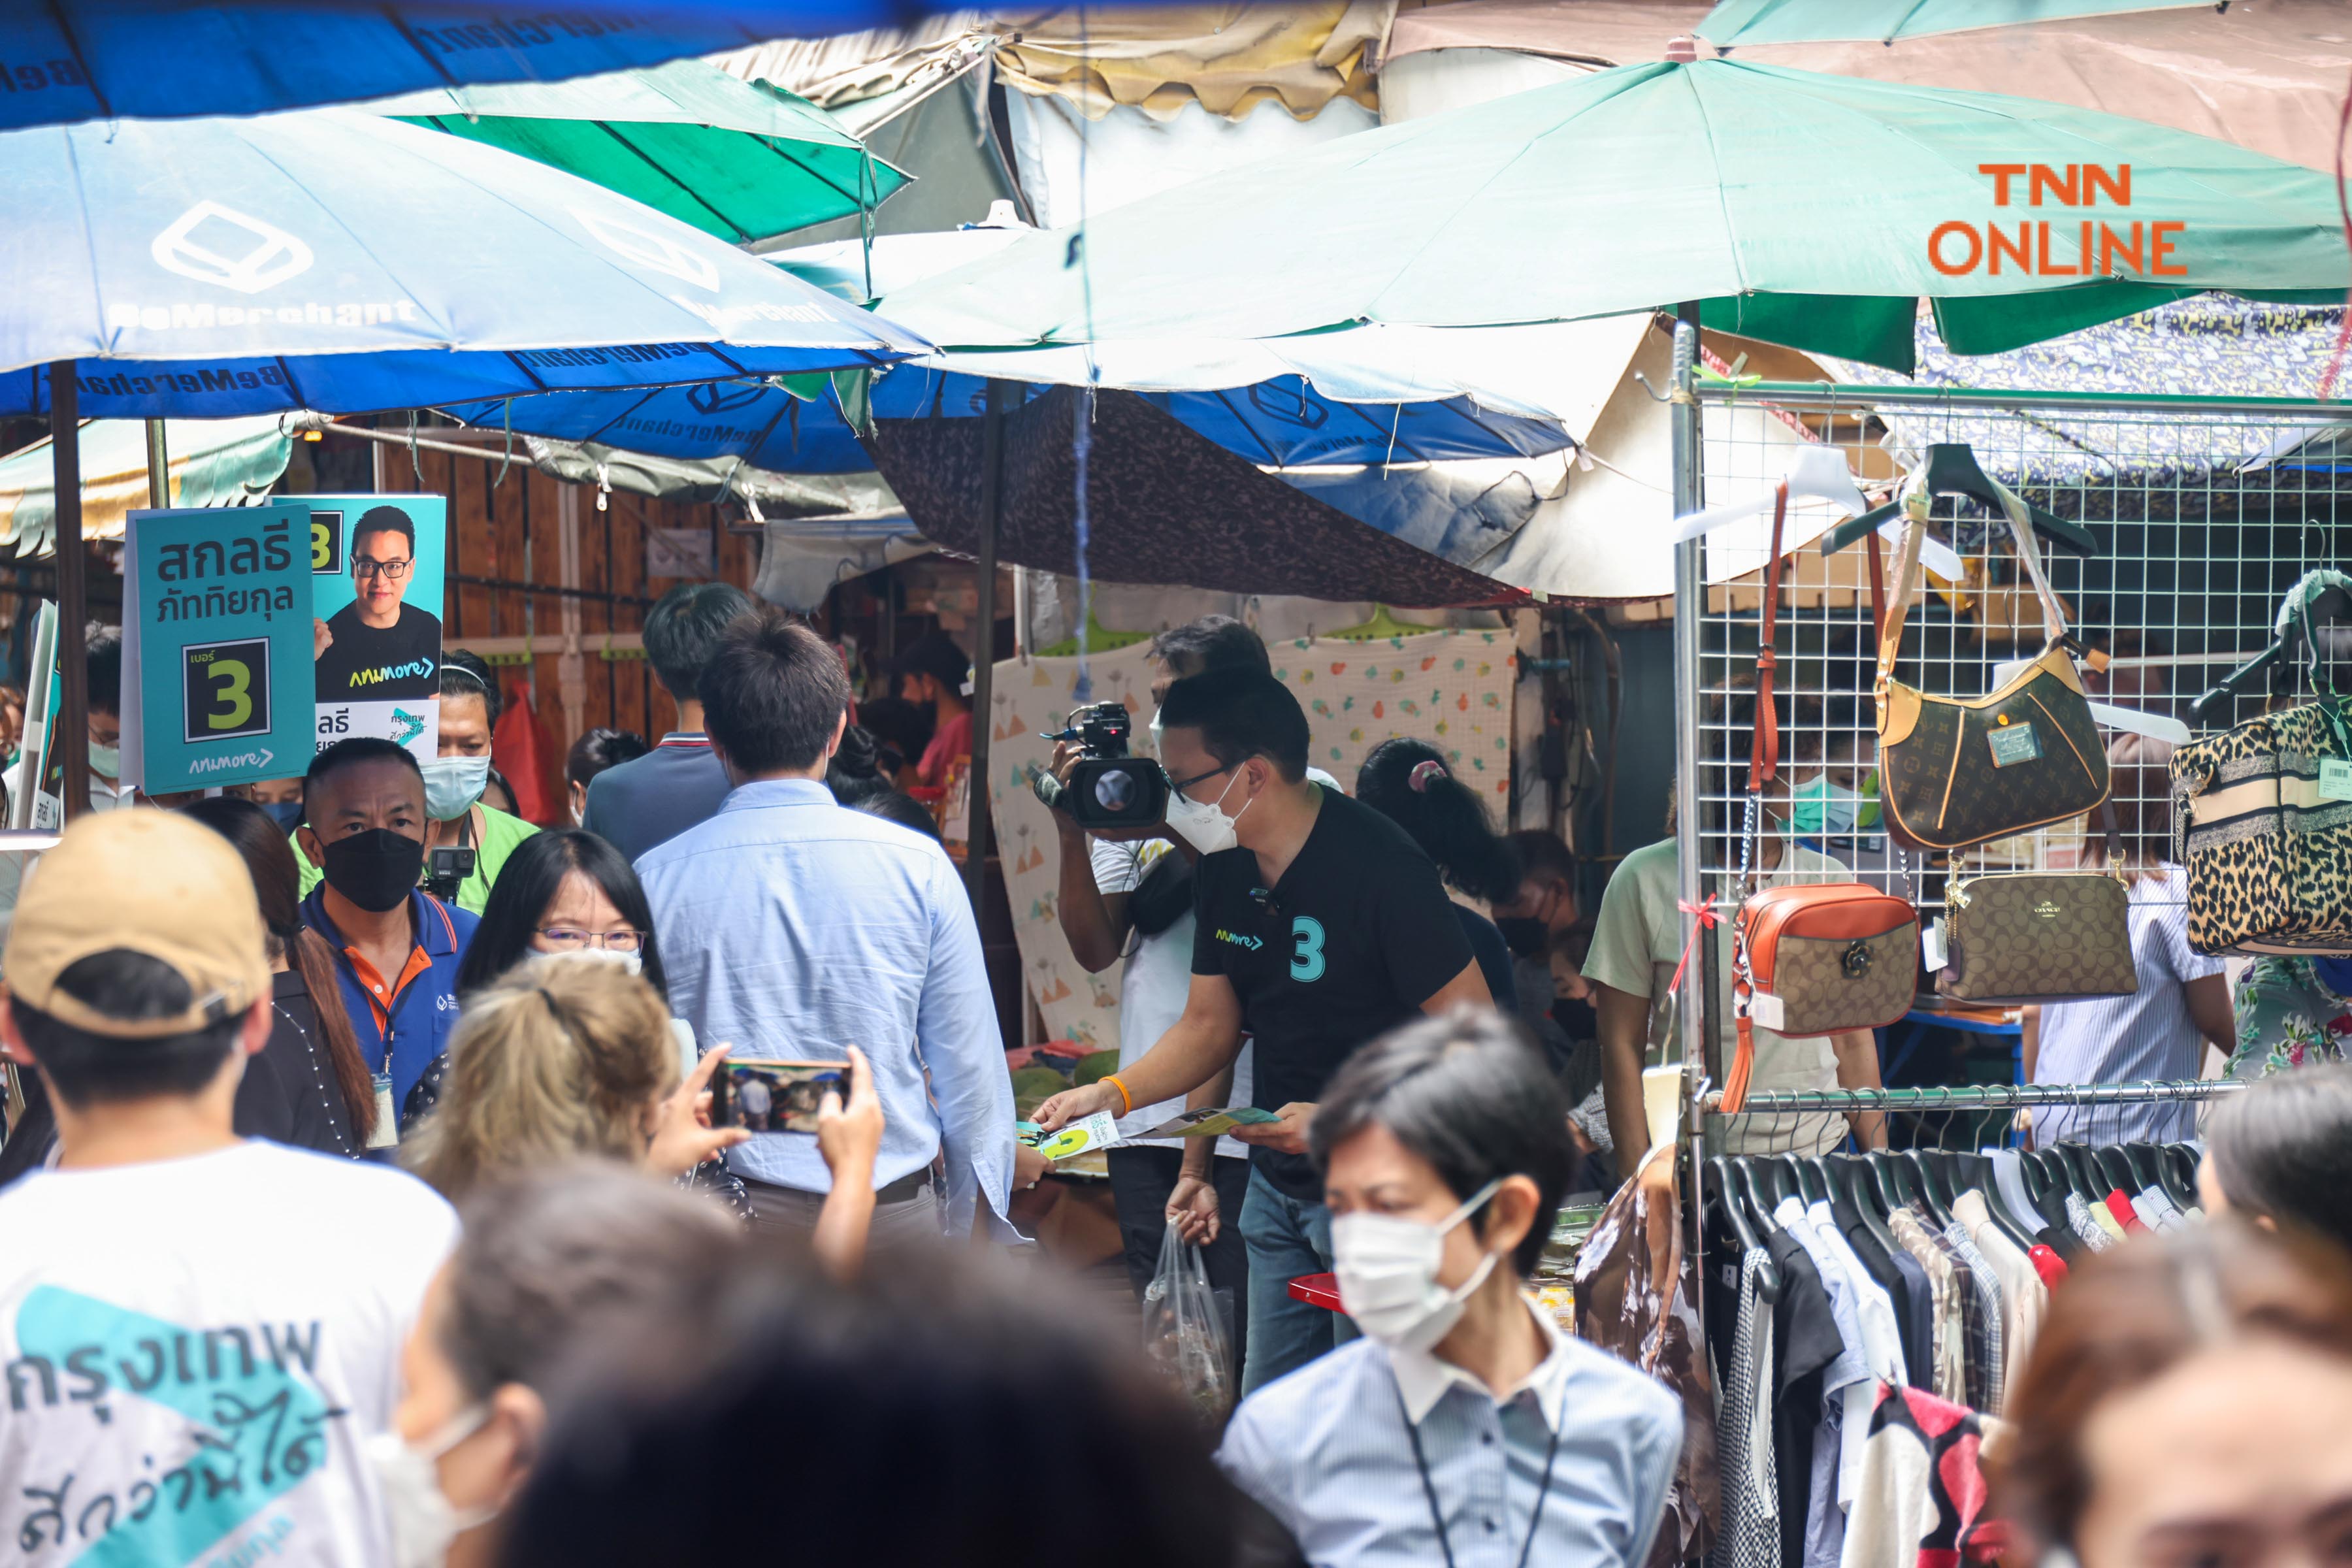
x: 1281, y: 423
x: 340, y: 261
x: 202, y: 269
x: 105, y: 60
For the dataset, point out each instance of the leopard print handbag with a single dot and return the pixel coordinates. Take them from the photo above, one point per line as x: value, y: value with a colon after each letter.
x: 2261, y: 817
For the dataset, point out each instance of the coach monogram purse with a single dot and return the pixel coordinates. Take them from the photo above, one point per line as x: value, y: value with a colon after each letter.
x: 2039, y: 936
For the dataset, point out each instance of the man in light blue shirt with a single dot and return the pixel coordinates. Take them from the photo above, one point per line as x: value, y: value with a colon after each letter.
x: 1463, y: 1429
x: 792, y: 928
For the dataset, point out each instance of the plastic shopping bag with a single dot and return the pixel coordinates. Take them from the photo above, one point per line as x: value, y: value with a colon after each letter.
x: 1185, y: 1329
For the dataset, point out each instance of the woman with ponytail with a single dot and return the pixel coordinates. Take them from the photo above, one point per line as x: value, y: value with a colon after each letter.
x: 1410, y: 783
x: 308, y: 1087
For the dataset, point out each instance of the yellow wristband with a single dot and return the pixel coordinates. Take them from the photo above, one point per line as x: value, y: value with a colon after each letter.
x: 1126, y: 1100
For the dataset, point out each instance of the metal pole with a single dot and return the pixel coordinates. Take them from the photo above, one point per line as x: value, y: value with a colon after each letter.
x: 73, y: 607
x: 1698, y: 1048
x: 984, y: 643
x: 159, y: 466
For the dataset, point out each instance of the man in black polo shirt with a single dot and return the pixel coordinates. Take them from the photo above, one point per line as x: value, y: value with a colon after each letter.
x: 1319, y: 926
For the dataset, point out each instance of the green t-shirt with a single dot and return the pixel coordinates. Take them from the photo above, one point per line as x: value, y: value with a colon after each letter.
x: 500, y: 834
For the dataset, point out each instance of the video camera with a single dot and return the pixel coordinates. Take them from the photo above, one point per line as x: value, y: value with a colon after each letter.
x: 1106, y: 788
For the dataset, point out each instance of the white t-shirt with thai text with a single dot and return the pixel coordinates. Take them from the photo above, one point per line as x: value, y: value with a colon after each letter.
x: 194, y: 1351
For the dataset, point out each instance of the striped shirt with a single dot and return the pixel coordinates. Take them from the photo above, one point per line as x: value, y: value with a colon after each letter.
x: 2122, y: 1039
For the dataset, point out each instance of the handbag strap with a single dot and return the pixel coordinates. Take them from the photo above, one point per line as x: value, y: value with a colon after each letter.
x: 1890, y: 614
x: 1764, y: 756
x: 2108, y: 830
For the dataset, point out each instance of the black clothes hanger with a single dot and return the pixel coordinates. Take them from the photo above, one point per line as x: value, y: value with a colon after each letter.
x: 1813, y: 1191
x: 2318, y: 603
x: 1884, y: 1177
x: 1953, y: 470
x: 1851, y: 1175
x: 2051, y: 1204
x: 2115, y: 1169
x: 1760, y: 1204
x: 2070, y: 1158
x: 1927, y: 1189
x: 2181, y: 1190
x: 1976, y: 1171
x: 2141, y: 1158
x: 1734, y: 1208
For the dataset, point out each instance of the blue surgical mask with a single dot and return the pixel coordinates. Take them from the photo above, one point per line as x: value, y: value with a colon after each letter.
x: 1818, y: 808
x: 287, y: 814
x: 452, y: 784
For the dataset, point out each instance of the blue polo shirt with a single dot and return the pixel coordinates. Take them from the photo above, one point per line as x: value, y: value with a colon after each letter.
x: 404, y: 1019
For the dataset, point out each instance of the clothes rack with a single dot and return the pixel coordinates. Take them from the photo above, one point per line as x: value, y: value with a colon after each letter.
x: 1975, y: 1096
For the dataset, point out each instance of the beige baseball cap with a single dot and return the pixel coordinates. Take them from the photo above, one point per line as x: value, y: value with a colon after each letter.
x: 152, y: 882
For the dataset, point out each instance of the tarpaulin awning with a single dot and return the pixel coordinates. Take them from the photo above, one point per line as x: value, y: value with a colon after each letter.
x: 1230, y: 58
x: 1623, y: 191
x: 1165, y: 505
x: 2268, y: 76
x: 212, y: 462
x: 734, y: 159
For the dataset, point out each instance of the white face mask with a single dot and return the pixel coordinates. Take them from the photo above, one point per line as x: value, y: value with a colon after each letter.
x: 1388, y: 1274
x: 452, y: 784
x: 635, y: 962
x: 1203, y: 824
x: 423, y: 1523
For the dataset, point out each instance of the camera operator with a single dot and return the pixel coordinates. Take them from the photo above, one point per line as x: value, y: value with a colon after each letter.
x: 1319, y: 925
x: 1131, y: 892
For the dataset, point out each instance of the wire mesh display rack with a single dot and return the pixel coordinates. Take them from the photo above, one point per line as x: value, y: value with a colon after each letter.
x: 2204, y: 512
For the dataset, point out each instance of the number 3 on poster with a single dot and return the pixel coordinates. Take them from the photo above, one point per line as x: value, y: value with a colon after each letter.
x: 227, y: 689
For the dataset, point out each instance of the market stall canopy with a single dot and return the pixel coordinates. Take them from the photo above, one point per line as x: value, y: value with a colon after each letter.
x: 1280, y: 424
x: 1739, y: 22
x: 1163, y: 505
x: 155, y: 60
x: 1622, y: 191
x: 340, y: 261
x: 2267, y: 77
x: 2218, y: 346
x: 214, y: 462
x: 1228, y: 58
x: 740, y: 161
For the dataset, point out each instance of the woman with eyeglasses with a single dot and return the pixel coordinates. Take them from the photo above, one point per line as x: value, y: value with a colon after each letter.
x: 565, y: 891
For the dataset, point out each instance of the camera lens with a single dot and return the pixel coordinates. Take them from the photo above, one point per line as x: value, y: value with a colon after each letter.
x: 1115, y: 792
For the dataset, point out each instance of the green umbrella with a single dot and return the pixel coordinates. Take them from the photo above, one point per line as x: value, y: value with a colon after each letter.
x: 1799, y: 209
x: 1737, y: 22
x: 740, y: 161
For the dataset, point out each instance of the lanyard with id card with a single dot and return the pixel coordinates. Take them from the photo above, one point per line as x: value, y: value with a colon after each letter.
x: 387, y: 1126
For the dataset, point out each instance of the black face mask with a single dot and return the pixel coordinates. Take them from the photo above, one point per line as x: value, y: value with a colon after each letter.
x: 1525, y: 934
x: 375, y: 869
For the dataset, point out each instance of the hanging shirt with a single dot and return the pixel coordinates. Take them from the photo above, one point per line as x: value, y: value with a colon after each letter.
x: 1948, y: 1363
x: 1921, y: 1501
x: 2023, y: 1293
x: 1992, y: 1312
x: 1814, y: 1366
x: 1751, y: 1533
x: 2086, y: 1225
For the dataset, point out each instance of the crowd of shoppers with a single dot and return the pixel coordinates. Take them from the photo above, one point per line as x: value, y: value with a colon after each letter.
x: 388, y: 1221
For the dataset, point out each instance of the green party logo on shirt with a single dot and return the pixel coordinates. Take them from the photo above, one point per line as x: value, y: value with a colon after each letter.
x: 1251, y: 942
x: 257, y: 1428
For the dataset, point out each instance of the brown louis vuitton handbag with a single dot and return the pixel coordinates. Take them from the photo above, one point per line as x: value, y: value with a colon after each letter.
x: 2039, y: 936
x: 1954, y: 772
x: 1814, y: 959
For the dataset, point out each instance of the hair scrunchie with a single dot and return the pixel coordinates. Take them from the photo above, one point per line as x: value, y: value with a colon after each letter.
x: 1425, y: 772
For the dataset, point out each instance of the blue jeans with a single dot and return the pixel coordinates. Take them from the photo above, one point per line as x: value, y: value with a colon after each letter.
x: 1287, y: 1238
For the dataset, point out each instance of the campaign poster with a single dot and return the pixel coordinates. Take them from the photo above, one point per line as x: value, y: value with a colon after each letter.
x: 375, y: 597
x: 215, y: 631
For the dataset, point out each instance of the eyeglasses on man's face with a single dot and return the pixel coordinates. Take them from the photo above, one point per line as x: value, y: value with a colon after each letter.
x: 391, y: 570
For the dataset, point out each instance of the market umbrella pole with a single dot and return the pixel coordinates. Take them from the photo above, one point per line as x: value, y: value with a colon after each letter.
x: 983, y: 646
x: 70, y: 725
x: 159, y: 466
